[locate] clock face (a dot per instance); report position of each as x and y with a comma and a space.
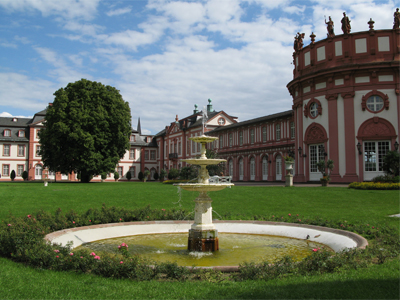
221, 121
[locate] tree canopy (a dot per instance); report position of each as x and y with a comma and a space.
87, 129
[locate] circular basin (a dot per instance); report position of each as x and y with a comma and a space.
200, 187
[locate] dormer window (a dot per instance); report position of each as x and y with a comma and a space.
132, 138
14, 119
21, 133
7, 132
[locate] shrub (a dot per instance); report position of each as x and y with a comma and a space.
146, 175
163, 174
374, 186
12, 175
116, 176
156, 176
391, 163
386, 178
140, 176
129, 175
103, 175
173, 173
24, 175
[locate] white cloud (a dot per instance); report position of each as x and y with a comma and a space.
119, 11
61, 71
8, 115
68, 9
21, 91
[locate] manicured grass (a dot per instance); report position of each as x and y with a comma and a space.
366, 207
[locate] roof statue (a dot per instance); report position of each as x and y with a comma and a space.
329, 27
396, 22
346, 24
298, 41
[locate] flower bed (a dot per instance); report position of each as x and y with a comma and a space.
374, 186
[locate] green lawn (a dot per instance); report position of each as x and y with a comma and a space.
357, 206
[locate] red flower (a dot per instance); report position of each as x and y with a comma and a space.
289, 215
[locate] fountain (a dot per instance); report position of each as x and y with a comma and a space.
203, 236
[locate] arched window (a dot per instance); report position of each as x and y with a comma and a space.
265, 168
252, 168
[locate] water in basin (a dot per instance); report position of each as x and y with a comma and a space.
234, 248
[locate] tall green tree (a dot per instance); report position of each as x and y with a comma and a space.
87, 129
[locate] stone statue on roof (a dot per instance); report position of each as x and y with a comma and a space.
346, 24
396, 22
329, 27
298, 41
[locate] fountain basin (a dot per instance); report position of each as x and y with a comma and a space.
336, 239
204, 161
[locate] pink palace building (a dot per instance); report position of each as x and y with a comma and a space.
346, 107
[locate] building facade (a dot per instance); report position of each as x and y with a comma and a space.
345, 92
346, 107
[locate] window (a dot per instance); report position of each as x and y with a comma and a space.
278, 132
132, 138
314, 110
292, 130
6, 150
221, 141
251, 136
374, 152
38, 147
21, 133
241, 138
153, 154
132, 153
21, 150
179, 148
265, 168
264, 134
6, 170
7, 132
221, 121
132, 171
316, 154
146, 155
230, 140
20, 170
37, 133
120, 170
252, 168
375, 103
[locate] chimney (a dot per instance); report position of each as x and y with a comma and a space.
209, 106
195, 111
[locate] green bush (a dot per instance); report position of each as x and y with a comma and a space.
173, 174
156, 176
391, 163
128, 175
103, 175
116, 176
140, 176
374, 186
24, 175
386, 179
12, 175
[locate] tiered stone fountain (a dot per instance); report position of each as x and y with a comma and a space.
203, 236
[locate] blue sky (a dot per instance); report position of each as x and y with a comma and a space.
165, 56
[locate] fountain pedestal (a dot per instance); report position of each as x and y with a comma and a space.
203, 236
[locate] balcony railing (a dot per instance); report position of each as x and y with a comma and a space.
173, 155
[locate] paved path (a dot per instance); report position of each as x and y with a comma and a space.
280, 183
